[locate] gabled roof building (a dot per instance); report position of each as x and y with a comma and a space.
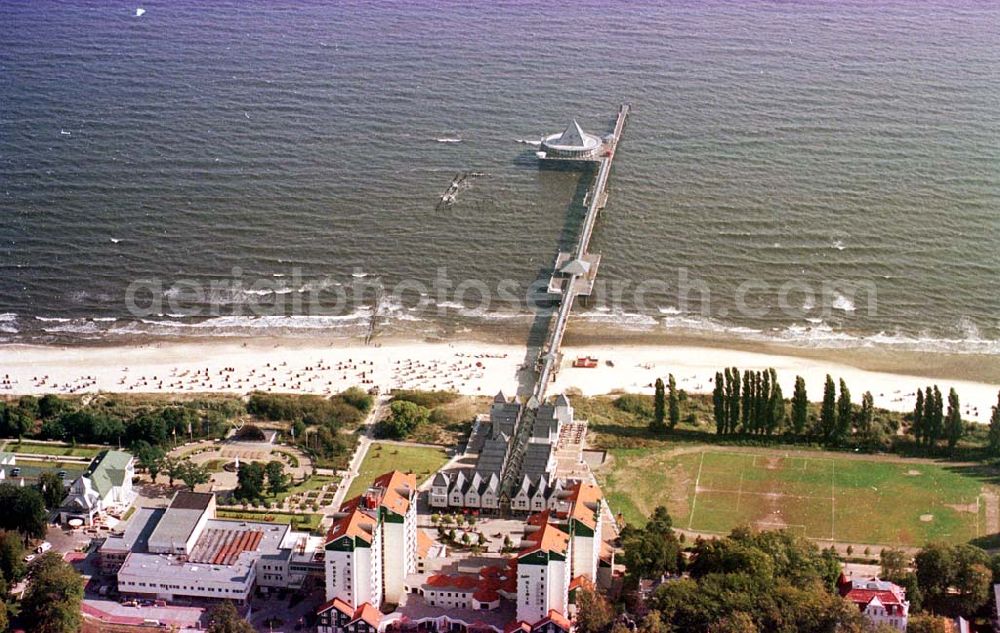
107, 485
881, 601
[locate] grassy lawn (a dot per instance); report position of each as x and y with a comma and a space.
876, 501
308, 522
61, 450
381, 458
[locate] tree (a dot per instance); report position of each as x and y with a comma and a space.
4, 616
844, 414
594, 613
935, 567
52, 489
23, 511
719, 404
50, 406
224, 618
736, 622
776, 414
994, 432
828, 410
953, 422
748, 410
249, 482
933, 415
277, 480
659, 407
404, 417
15, 422
733, 382
953, 579
653, 550
12, 566
918, 426
173, 467
193, 474
674, 407
800, 406
866, 418
895, 563
52, 600
149, 457
921, 623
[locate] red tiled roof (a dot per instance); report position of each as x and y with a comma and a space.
337, 604
580, 581
394, 485
351, 525
547, 538
864, 596
517, 625
486, 595
424, 543
556, 618
585, 501
368, 614
457, 581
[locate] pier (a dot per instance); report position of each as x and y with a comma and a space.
574, 275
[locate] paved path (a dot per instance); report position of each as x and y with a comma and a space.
364, 443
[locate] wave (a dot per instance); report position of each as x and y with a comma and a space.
448, 140
840, 302
52, 319
74, 327
668, 310
817, 333
7, 323
620, 317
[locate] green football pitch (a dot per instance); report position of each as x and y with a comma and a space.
876, 500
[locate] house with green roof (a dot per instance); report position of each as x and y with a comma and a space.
106, 486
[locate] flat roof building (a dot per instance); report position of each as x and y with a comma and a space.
184, 551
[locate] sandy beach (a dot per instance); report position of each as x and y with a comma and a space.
468, 367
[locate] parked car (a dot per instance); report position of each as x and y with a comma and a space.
44, 547
61, 474
29, 558
15, 471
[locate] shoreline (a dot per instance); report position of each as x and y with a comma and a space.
473, 366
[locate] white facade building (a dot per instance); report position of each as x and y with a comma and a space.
107, 485
881, 601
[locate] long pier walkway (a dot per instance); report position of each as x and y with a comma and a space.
577, 282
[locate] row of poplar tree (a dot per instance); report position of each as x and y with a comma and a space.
931, 422
752, 403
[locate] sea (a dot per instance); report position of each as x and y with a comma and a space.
813, 173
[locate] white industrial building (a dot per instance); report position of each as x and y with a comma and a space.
185, 552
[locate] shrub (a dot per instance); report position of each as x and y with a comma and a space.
426, 399
250, 433
635, 404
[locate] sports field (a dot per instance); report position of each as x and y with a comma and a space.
874, 501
